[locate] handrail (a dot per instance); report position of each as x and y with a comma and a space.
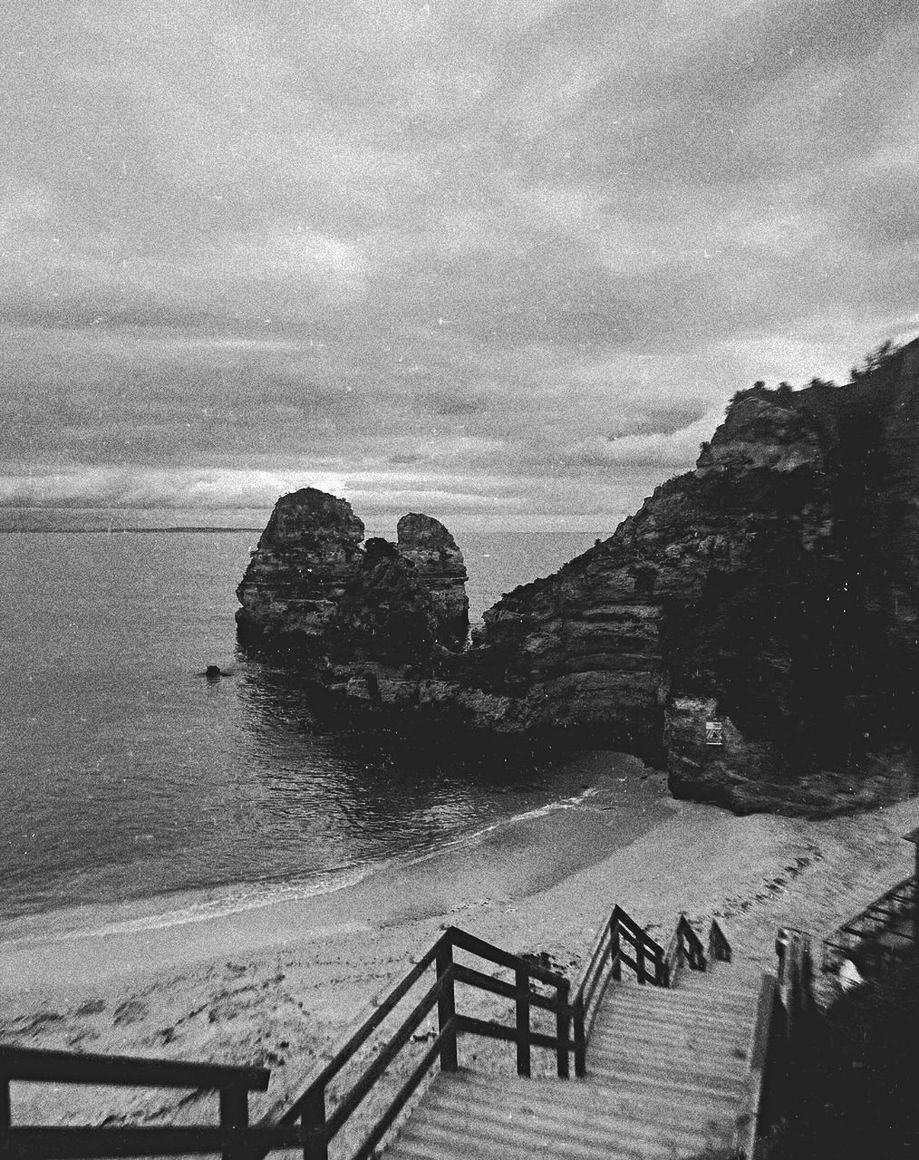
795, 978
34, 1065
748, 1122
878, 916
309, 1107
604, 963
37, 1065
719, 949
72, 1143
685, 946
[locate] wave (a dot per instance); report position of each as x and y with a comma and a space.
243, 896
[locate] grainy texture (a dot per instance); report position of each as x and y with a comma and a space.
773, 590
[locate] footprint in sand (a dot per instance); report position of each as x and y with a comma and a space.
91, 1007
130, 1011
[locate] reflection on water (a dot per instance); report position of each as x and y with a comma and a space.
126, 773
378, 793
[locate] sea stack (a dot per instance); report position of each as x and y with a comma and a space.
314, 589
307, 555
439, 564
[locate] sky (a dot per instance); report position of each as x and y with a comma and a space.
502, 261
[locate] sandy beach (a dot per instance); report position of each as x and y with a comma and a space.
280, 983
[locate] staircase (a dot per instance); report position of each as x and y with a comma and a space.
668, 1062
667, 1076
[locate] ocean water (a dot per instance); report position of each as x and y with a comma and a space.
126, 775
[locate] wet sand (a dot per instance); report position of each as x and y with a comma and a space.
279, 984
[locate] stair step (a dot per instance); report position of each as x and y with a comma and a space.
599, 1105
614, 1025
692, 1053
418, 1149
469, 1134
694, 993
585, 1121
702, 1001
713, 1070
611, 1072
692, 996
618, 1031
613, 1078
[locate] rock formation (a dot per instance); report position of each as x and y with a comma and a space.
439, 562
753, 628
312, 589
306, 557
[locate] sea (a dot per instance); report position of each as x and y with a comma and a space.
127, 775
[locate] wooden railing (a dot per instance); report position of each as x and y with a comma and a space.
778, 1055
684, 949
319, 1124
749, 1122
795, 980
719, 949
313, 1119
894, 910
233, 1138
620, 940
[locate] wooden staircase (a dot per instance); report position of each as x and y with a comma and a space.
667, 1076
668, 1050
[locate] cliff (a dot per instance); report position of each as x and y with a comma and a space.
753, 627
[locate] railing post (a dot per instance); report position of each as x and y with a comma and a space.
614, 951
446, 1007
312, 1120
562, 1027
580, 1039
522, 982
640, 959
6, 1117
234, 1113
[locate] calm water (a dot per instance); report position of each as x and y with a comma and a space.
126, 775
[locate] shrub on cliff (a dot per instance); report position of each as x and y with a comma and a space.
876, 360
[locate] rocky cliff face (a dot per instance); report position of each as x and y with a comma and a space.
439, 563
312, 589
306, 557
753, 627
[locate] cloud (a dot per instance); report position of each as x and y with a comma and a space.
255, 241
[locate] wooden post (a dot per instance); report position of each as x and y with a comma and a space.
522, 982
446, 1007
614, 952
640, 960
234, 1113
580, 1040
6, 1117
562, 1028
312, 1120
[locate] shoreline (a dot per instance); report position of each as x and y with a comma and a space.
576, 779
509, 857
282, 984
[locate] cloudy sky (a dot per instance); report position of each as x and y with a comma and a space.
486, 258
